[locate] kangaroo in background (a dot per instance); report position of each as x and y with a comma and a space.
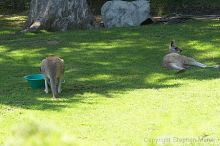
173, 60
53, 69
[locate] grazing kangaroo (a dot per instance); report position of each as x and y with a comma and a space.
53, 69
173, 60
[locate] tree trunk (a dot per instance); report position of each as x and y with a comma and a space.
59, 15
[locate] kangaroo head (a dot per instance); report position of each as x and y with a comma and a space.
174, 48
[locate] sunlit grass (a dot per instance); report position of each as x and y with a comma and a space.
116, 91
10, 24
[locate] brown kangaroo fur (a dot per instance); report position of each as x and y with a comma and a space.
173, 60
53, 69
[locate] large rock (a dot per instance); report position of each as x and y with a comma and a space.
119, 13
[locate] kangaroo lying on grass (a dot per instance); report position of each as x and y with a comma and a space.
53, 69
174, 60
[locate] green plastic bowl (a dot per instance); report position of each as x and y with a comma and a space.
36, 81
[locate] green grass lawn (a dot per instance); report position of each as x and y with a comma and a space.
116, 91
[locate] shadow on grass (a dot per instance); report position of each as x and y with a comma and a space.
100, 62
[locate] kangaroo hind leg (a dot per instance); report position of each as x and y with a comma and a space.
177, 67
198, 64
46, 85
59, 85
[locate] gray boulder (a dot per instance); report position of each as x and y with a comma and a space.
119, 13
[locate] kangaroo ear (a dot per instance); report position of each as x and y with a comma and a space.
172, 43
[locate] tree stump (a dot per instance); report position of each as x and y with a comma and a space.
59, 15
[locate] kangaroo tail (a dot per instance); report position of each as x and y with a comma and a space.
53, 85
214, 66
198, 64
195, 63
